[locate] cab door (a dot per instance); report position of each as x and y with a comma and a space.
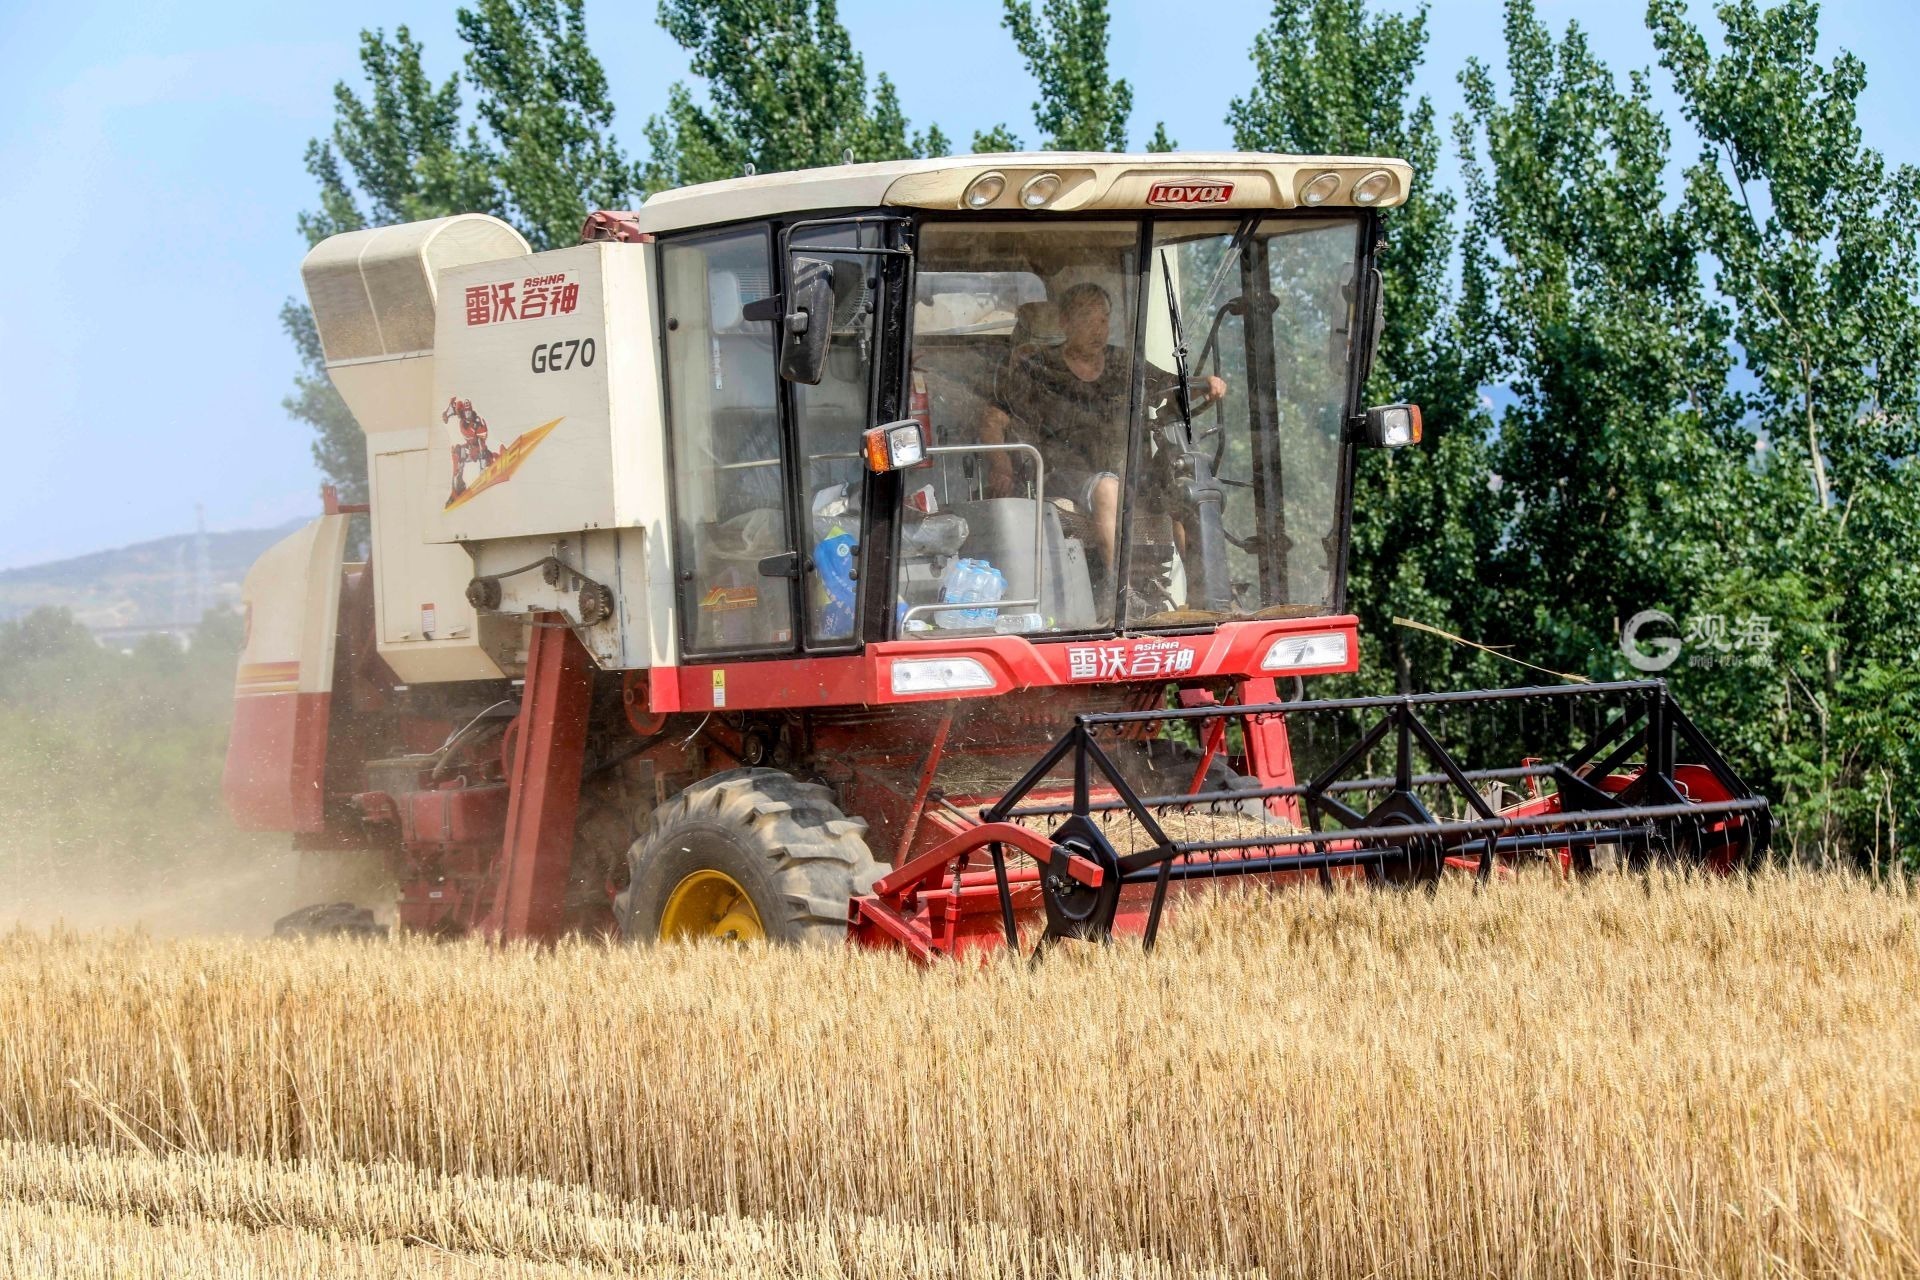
730, 479
836, 498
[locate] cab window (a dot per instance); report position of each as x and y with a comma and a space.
829, 418
1024, 349
730, 483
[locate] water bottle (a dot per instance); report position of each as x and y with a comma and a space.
955, 585
993, 587
970, 582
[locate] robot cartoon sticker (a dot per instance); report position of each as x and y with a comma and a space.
477, 466
471, 456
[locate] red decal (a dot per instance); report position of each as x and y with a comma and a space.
1120, 660
503, 301
1190, 193
539, 296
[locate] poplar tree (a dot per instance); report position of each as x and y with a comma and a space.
784, 89
539, 154
1330, 79
541, 95
1813, 242
1584, 302
1082, 106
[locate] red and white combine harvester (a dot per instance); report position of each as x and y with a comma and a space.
731, 570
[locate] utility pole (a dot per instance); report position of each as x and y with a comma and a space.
202, 565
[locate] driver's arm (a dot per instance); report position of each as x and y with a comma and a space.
1205, 391
993, 430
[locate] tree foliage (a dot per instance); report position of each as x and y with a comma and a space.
1082, 107
999, 138
541, 95
785, 89
398, 154
1813, 242
1584, 302
1330, 79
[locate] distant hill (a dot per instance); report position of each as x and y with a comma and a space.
147, 585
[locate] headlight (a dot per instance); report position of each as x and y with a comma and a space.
895, 446
1321, 189
1393, 426
985, 189
1373, 188
1039, 190
939, 675
1290, 653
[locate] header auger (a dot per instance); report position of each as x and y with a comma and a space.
729, 571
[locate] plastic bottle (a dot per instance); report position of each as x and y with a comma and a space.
953, 590
970, 582
995, 588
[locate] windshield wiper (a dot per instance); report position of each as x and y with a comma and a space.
1240, 234
1182, 393
1202, 489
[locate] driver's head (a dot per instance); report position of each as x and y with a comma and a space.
1085, 312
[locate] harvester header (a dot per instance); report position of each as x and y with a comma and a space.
729, 570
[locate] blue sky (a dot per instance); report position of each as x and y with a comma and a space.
152, 161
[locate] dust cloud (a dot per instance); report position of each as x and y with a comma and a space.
203, 881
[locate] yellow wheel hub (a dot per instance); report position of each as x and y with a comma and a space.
711, 904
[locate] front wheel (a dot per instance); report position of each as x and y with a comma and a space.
746, 855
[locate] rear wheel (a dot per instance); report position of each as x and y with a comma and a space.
745, 855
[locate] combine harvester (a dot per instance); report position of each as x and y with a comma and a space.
908, 551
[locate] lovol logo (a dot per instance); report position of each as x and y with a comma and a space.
1190, 193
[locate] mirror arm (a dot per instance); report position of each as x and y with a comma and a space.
771, 307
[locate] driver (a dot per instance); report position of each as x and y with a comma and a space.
1070, 402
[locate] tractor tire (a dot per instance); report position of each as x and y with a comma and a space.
744, 855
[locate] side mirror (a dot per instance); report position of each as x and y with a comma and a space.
808, 324
1388, 426
895, 446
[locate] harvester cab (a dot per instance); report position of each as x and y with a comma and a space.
731, 569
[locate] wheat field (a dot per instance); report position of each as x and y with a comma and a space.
1627, 1077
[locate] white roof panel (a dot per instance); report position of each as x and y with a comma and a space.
1089, 180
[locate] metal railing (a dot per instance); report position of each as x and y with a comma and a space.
1648, 813
1039, 531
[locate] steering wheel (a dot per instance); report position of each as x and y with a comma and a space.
1158, 401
